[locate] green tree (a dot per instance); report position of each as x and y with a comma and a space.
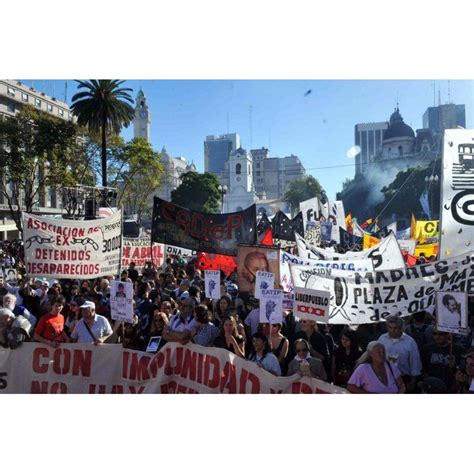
103, 108
37, 151
301, 190
198, 191
136, 171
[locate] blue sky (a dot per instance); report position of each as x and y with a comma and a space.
319, 128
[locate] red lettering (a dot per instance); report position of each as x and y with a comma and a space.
82, 363
39, 387
61, 365
229, 379
182, 220
38, 366
59, 387
189, 365
136, 390
167, 210
233, 222
198, 226
117, 388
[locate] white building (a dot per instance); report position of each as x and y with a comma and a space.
142, 120
241, 191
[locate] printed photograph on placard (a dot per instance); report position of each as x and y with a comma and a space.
212, 284
121, 300
451, 312
11, 277
250, 260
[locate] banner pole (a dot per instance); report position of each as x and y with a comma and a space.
121, 244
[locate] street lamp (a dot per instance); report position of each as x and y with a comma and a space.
223, 192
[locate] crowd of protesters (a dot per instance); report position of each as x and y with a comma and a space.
395, 356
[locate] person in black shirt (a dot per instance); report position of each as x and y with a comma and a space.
317, 341
345, 357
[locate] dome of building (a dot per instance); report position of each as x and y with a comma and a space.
397, 127
165, 157
240, 151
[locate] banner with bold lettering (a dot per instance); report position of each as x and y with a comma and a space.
310, 210
139, 251
108, 368
370, 297
426, 229
385, 255
457, 193
214, 233
61, 248
172, 250
311, 304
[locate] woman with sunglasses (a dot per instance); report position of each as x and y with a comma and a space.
158, 323
263, 356
304, 364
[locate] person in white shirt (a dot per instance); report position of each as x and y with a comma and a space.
92, 328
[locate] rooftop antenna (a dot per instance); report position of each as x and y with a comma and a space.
65, 92
434, 93
449, 92
439, 97
54, 88
227, 122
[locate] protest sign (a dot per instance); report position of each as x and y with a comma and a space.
451, 312
139, 251
271, 306
264, 281
108, 368
311, 304
426, 229
252, 259
385, 255
369, 297
212, 284
407, 245
310, 211
347, 240
370, 241
457, 193
60, 248
326, 231
285, 228
121, 300
426, 250
172, 250
214, 233
312, 233
11, 276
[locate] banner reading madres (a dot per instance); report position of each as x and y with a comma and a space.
214, 233
60, 248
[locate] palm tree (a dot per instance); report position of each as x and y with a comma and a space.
103, 108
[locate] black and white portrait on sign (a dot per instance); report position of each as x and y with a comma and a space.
451, 310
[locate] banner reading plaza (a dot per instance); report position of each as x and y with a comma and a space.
60, 248
108, 368
214, 233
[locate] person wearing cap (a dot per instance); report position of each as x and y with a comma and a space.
92, 328
50, 328
374, 374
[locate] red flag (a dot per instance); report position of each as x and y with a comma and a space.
410, 260
266, 237
211, 261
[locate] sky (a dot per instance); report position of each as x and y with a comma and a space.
276, 114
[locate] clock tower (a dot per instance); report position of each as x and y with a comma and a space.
142, 120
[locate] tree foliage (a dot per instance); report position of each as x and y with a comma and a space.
301, 190
198, 191
103, 107
37, 151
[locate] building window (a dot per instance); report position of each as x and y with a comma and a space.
11, 91
37, 102
400, 151
50, 108
11, 107
61, 112
24, 97
258, 173
258, 165
238, 168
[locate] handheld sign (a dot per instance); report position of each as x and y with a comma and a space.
271, 306
451, 312
121, 301
212, 284
264, 281
311, 304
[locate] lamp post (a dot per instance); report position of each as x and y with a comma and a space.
429, 180
223, 192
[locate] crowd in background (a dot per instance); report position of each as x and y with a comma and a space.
395, 356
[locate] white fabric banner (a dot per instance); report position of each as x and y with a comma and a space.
121, 300
271, 306
369, 297
264, 281
179, 251
60, 248
212, 284
108, 368
408, 245
139, 251
457, 193
310, 210
311, 304
385, 255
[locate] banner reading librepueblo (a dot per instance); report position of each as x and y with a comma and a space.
121, 301
108, 368
139, 251
370, 297
59, 248
311, 304
264, 281
214, 233
457, 193
212, 284
271, 306
385, 256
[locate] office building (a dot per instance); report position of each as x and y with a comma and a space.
369, 137
217, 150
437, 119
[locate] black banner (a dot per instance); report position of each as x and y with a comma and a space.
195, 230
382, 233
284, 228
348, 240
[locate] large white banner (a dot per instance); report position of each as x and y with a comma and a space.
60, 248
325, 266
457, 193
385, 255
310, 210
369, 297
108, 368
